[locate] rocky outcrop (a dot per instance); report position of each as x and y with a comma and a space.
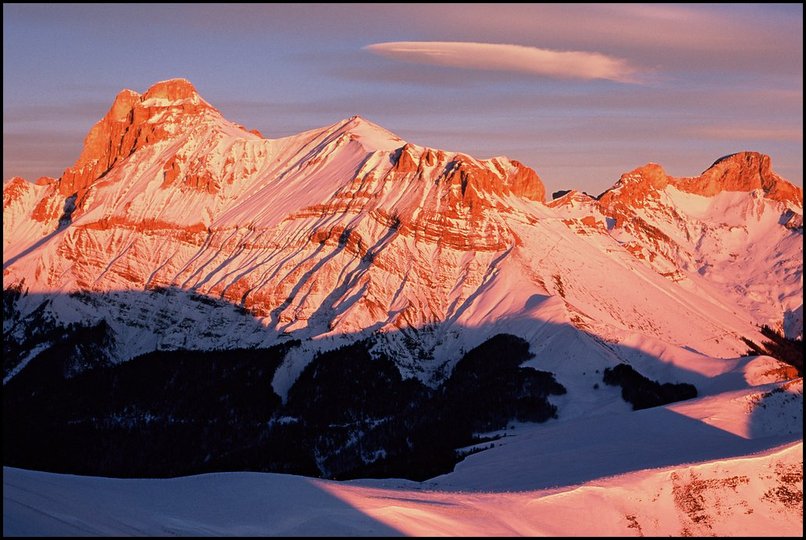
635, 187
472, 178
14, 190
404, 160
524, 182
744, 171
133, 121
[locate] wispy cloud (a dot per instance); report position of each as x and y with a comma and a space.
503, 57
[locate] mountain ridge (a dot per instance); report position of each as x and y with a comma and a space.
743, 171
191, 297
129, 126
309, 232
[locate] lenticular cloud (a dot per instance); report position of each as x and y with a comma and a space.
501, 57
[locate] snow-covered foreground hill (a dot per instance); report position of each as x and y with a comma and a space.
726, 464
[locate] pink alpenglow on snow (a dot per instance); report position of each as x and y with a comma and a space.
179, 230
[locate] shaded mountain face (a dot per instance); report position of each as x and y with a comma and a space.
179, 230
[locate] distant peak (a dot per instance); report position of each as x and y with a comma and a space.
651, 165
636, 186
126, 94
649, 170
743, 171
358, 120
45, 181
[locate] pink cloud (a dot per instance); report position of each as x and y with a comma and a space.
502, 57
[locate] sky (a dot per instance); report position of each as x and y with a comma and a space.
580, 93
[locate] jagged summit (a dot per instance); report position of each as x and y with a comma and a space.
652, 174
171, 90
171, 93
150, 156
172, 112
135, 121
740, 172
743, 171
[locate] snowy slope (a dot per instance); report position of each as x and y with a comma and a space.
610, 475
735, 232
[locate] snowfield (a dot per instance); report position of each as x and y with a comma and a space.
727, 465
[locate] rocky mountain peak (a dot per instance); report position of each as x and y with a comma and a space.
636, 186
743, 171
132, 122
651, 174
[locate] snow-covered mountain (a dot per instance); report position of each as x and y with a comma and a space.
738, 227
347, 256
348, 230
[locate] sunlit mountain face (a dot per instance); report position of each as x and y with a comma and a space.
191, 297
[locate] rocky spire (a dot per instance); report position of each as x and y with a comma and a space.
129, 126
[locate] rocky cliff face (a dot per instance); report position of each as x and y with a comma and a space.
744, 171
134, 122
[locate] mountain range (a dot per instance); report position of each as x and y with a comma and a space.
354, 294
